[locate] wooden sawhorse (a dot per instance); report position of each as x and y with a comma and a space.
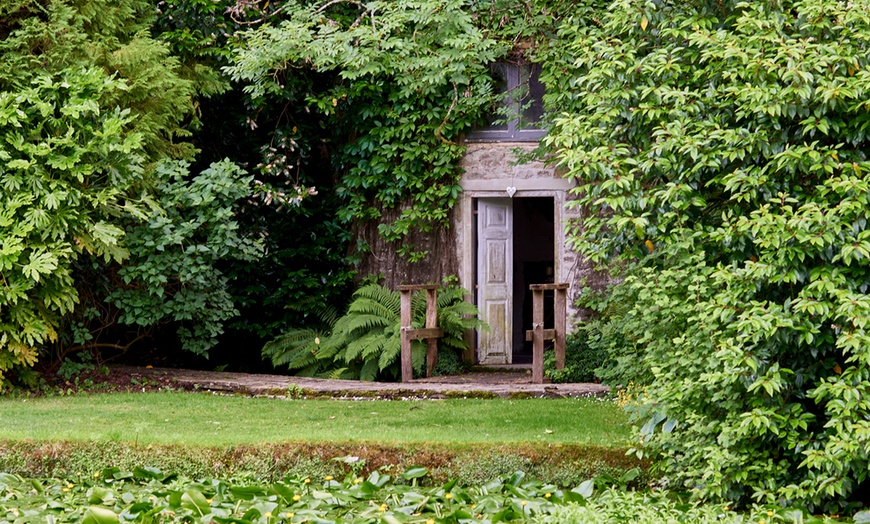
431, 333
538, 334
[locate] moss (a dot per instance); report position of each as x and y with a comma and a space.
519, 395
470, 394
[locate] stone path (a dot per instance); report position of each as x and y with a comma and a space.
480, 384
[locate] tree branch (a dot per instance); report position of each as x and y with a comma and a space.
447, 116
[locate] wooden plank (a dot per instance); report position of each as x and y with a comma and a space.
421, 333
559, 314
432, 322
549, 334
418, 287
538, 339
548, 287
405, 318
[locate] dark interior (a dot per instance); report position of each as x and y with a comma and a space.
533, 264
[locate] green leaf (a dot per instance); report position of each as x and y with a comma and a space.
147, 473
194, 500
585, 489
99, 495
97, 515
415, 472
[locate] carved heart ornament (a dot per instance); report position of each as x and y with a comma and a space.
511, 190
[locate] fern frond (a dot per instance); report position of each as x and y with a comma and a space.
335, 374
326, 314
351, 325
368, 306
371, 342
373, 351
310, 371
304, 358
389, 354
369, 371
331, 346
381, 295
451, 295
418, 356
286, 348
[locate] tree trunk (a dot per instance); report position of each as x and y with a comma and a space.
379, 257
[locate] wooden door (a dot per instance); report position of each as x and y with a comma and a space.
495, 279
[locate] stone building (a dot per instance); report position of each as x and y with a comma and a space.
507, 231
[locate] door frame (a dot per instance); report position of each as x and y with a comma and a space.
468, 231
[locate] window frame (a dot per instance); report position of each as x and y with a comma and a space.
513, 133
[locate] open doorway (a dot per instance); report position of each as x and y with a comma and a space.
515, 248
533, 264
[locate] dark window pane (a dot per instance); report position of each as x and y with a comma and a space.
498, 119
532, 102
520, 108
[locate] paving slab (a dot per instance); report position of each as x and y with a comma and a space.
502, 384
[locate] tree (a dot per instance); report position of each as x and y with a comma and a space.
724, 144
90, 105
68, 172
398, 83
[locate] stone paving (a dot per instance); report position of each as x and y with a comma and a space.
504, 384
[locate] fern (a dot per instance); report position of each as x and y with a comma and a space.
369, 344
369, 370
301, 349
354, 324
365, 343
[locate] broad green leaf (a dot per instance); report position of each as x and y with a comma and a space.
415, 472
97, 515
194, 500
585, 489
147, 473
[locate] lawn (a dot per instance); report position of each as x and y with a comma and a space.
213, 420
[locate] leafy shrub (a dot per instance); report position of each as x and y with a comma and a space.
582, 359
728, 142
365, 343
449, 363
173, 272
58, 207
615, 505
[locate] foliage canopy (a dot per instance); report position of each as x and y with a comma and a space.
90, 104
406, 79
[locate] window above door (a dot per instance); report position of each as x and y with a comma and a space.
517, 116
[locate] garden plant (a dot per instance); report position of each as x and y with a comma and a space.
718, 148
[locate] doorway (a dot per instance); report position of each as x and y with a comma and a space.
515, 240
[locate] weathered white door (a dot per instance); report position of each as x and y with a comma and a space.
495, 278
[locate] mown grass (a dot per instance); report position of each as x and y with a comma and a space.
212, 420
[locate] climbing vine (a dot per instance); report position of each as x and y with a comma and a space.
406, 79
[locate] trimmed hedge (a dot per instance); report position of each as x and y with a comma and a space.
472, 463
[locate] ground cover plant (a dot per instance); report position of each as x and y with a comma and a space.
144, 494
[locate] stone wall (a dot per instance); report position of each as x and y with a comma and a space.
490, 171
